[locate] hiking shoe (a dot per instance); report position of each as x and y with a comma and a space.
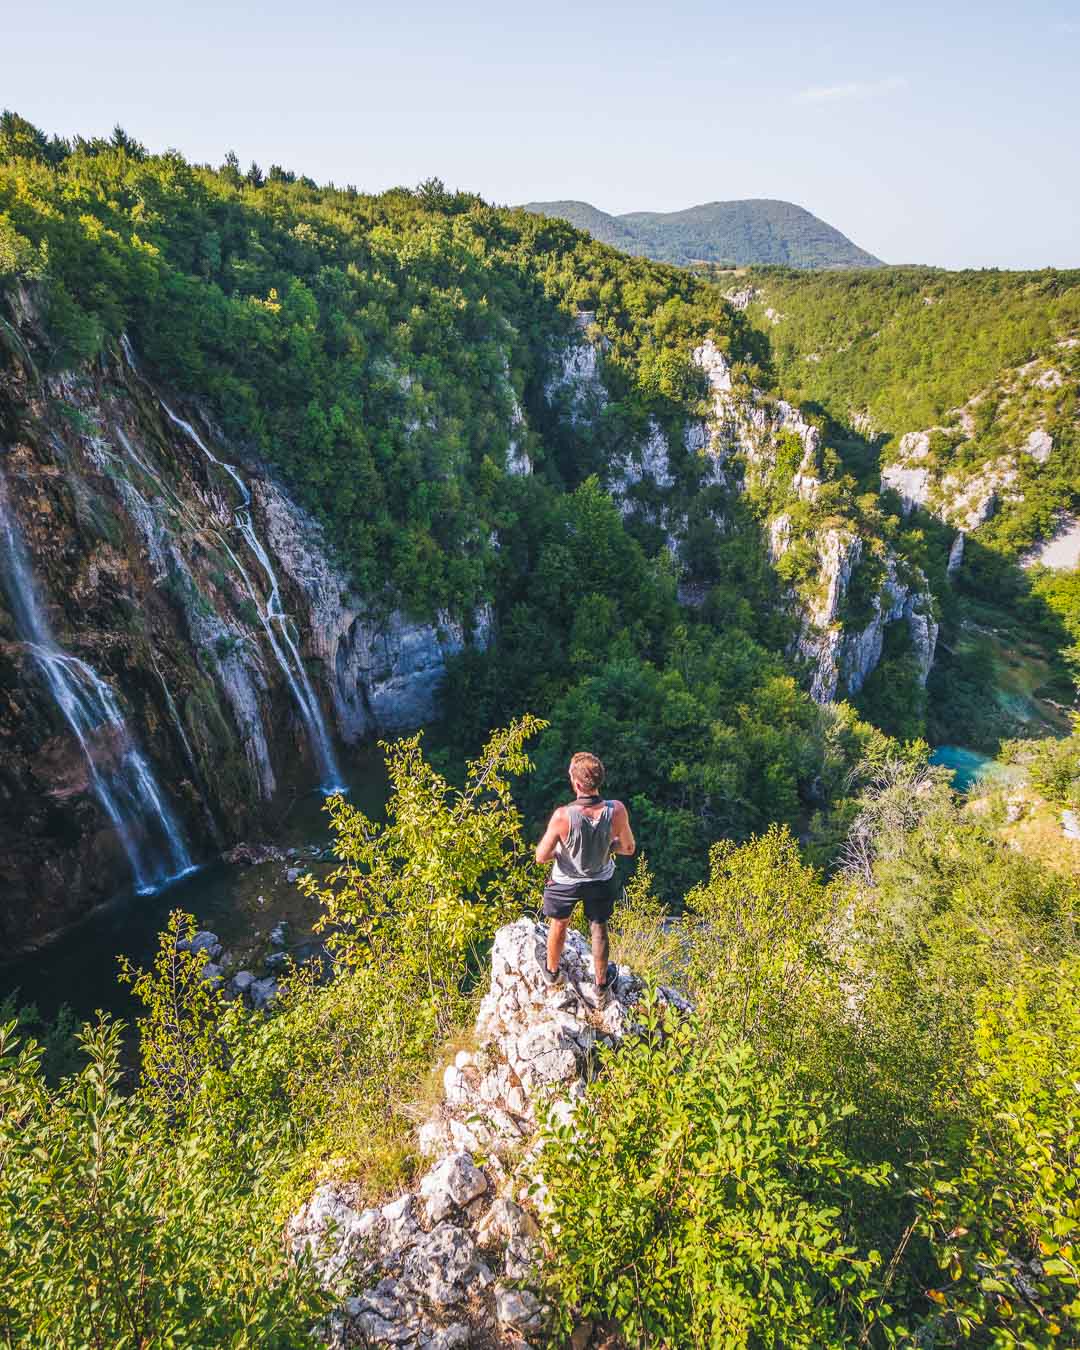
604, 991
552, 978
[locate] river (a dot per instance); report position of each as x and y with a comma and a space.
967, 765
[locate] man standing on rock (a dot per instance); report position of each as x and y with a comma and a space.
581, 840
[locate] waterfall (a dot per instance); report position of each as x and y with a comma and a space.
194, 436
122, 780
275, 622
292, 666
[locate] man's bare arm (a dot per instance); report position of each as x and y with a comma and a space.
554, 835
622, 836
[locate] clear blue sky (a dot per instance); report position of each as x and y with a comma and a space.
944, 133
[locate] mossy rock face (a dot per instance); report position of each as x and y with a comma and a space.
122, 592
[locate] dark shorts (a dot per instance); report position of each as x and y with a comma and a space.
598, 897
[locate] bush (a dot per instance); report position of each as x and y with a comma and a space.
697, 1200
1005, 1224
113, 1234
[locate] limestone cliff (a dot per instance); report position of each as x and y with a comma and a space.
985, 456
748, 442
178, 572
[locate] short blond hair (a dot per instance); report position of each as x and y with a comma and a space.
587, 771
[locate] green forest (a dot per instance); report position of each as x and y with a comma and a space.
899, 349
323, 327
866, 1131
760, 231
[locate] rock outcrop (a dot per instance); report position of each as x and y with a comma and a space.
575, 386
743, 437
979, 458
450, 1262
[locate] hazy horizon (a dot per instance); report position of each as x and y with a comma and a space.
945, 138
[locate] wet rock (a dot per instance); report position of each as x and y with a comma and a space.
212, 975
253, 854
262, 993
203, 941
278, 934
241, 982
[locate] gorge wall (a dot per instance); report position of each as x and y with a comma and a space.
213, 653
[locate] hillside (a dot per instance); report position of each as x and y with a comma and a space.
961, 387
954, 399
737, 233
288, 467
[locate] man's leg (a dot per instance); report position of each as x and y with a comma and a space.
599, 950
556, 942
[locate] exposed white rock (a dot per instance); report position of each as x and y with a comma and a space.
843, 658
970, 501
1039, 445
746, 422
779, 537
451, 1184
518, 462
576, 385
454, 1260
838, 551
1062, 550
647, 463
742, 299
1049, 379
911, 485
916, 444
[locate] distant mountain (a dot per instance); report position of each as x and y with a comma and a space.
756, 231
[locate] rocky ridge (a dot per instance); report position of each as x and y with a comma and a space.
451, 1261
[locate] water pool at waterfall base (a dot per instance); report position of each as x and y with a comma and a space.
241, 903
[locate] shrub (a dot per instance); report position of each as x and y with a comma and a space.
112, 1234
1005, 1219
697, 1200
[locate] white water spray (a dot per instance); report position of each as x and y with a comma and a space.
194, 436
119, 774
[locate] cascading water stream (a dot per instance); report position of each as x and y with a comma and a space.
120, 776
194, 436
294, 669
287, 656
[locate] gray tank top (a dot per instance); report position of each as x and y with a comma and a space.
586, 854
